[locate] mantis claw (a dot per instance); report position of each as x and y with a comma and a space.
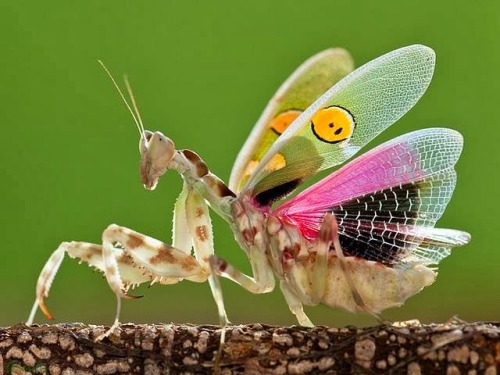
130, 296
45, 310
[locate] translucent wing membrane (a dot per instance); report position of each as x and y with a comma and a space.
298, 92
387, 200
343, 120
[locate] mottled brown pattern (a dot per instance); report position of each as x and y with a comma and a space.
451, 348
238, 209
289, 254
221, 265
93, 250
249, 234
191, 156
199, 212
201, 232
163, 255
134, 241
201, 167
125, 259
188, 264
219, 188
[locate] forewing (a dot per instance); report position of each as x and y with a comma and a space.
387, 200
344, 119
299, 91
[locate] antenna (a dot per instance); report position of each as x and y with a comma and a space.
135, 115
132, 98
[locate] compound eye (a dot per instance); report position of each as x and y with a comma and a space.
333, 124
283, 120
143, 142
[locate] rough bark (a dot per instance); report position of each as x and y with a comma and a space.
411, 348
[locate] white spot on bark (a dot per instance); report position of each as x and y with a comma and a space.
28, 359
54, 370
84, 360
50, 338
66, 343
147, 344
402, 353
364, 351
202, 343
99, 353
6, 343
474, 357
323, 344
391, 359
301, 367
459, 354
282, 339
14, 352
106, 368
325, 363
293, 352
453, 370
24, 337
188, 361
414, 369
123, 366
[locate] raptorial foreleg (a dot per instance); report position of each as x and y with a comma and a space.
86, 252
126, 258
200, 228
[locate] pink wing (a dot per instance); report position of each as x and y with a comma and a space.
388, 200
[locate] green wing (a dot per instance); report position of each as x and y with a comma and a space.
299, 91
342, 120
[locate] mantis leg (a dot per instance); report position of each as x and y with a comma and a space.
126, 258
306, 281
331, 221
263, 277
92, 255
295, 305
200, 228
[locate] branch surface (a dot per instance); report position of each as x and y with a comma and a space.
406, 348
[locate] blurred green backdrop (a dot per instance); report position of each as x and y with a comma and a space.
202, 72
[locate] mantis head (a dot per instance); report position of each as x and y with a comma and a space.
157, 151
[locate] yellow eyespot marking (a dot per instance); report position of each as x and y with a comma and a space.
277, 162
282, 121
251, 166
333, 124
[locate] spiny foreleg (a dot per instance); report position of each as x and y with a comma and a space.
200, 229
83, 251
126, 258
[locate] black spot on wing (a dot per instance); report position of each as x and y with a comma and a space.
368, 225
267, 197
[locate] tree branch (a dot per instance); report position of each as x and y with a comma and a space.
411, 348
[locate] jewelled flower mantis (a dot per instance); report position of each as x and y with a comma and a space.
361, 239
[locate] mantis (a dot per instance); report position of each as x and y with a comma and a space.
361, 239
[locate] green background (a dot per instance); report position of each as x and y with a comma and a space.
202, 72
